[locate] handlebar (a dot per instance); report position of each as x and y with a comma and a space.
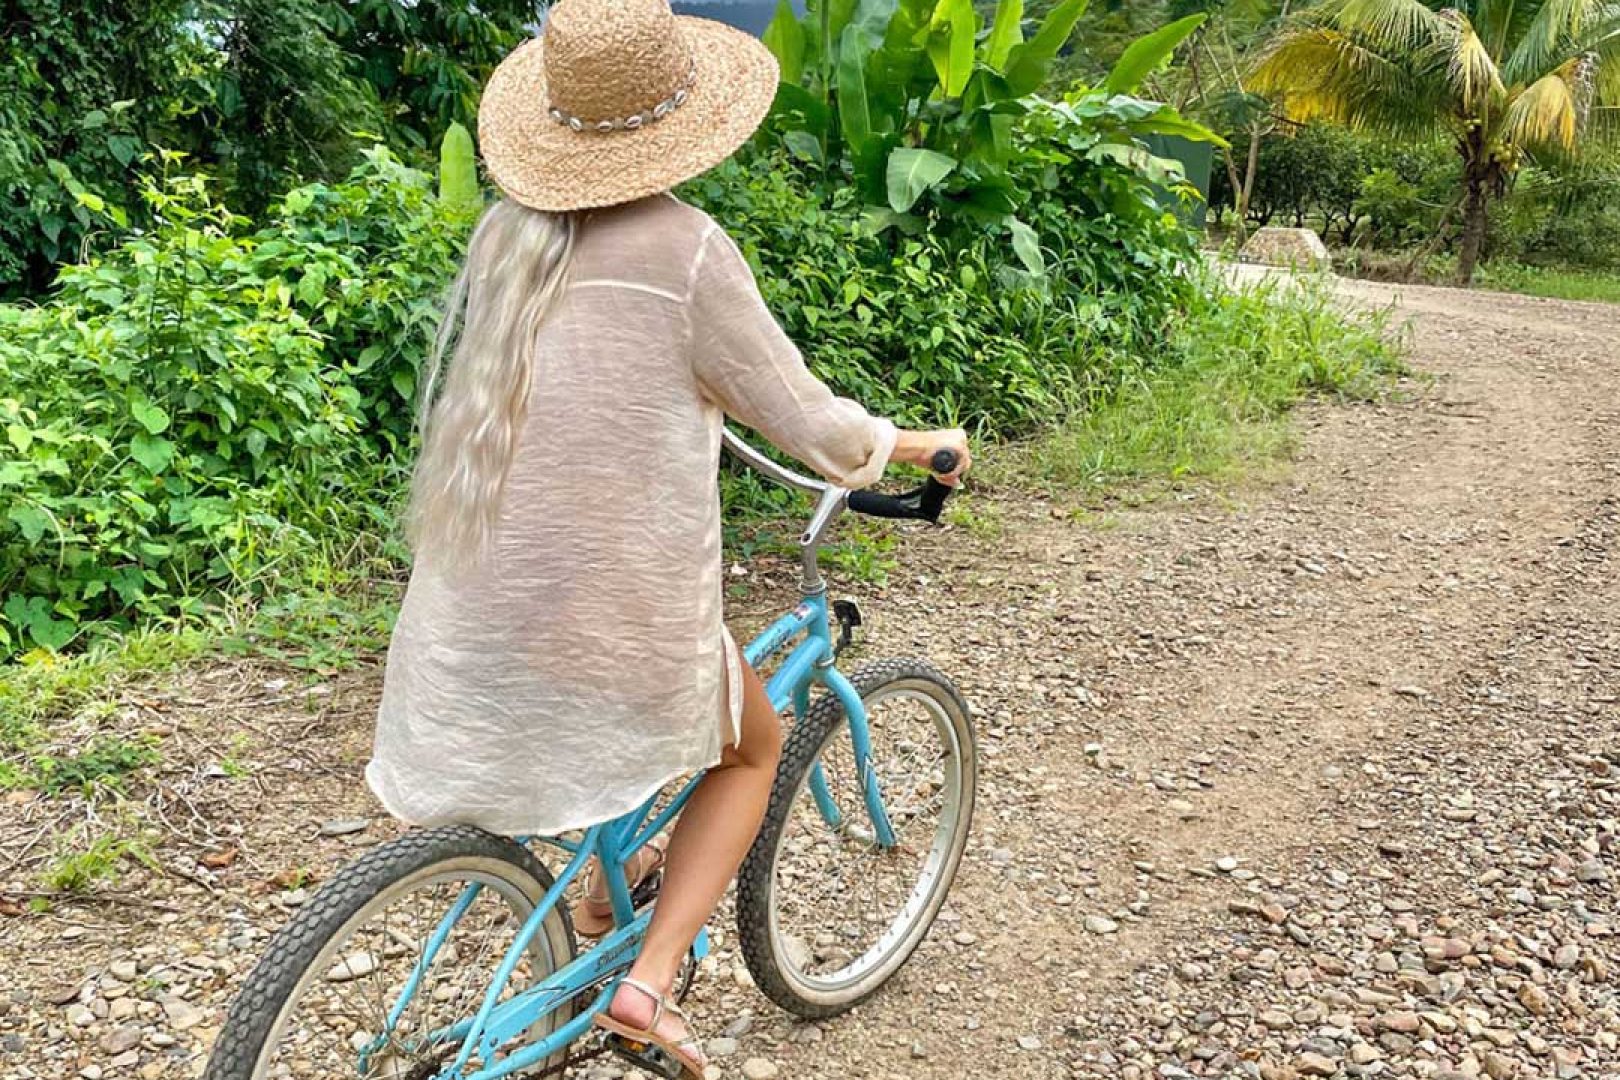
920, 504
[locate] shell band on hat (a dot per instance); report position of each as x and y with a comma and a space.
634, 120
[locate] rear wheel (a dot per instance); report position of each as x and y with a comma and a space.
826, 914
317, 1003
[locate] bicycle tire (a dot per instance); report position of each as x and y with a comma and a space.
765, 956
239, 1053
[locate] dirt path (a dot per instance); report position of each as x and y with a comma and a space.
1337, 763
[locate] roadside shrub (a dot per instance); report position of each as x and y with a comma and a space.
938, 325
1562, 216
190, 408
908, 326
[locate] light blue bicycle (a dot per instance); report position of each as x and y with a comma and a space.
449, 953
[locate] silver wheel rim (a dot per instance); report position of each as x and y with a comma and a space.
502, 883
903, 924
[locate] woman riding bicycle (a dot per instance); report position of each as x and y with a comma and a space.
560, 654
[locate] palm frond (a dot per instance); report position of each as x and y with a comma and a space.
1549, 38
1469, 64
1391, 26
1544, 116
1320, 73
1604, 122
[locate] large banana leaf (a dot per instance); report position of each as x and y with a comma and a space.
912, 172
867, 143
873, 18
1169, 122
1027, 64
1143, 56
785, 38
1006, 32
951, 35
854, 117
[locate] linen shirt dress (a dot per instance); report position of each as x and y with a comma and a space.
584, 664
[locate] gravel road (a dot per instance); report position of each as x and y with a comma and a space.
1320, 778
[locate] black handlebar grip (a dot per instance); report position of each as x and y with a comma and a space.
877, 504
920, 504
935, 493
944, 461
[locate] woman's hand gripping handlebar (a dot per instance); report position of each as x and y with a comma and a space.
922, 504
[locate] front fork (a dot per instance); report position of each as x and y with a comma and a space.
861, 741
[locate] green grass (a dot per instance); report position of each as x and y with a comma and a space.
1211, 402
1561, 284
44, 687
101, 860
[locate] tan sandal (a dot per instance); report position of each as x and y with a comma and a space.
593, 914
649, 1050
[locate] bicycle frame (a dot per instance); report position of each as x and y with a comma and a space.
805, 635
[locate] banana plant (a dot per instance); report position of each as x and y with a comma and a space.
919, 102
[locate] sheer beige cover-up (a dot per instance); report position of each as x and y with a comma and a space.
585, 664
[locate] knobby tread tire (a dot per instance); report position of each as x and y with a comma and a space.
801, 751
294, 947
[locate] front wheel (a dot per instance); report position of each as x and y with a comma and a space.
826, 912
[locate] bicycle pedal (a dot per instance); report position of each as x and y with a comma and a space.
646, 890
643, 1055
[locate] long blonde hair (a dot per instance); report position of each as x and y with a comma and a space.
516, 264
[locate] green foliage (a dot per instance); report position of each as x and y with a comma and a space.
77, 102
102, 861
102, 763
1559, 282
926, 115
1148, 54
933, 327
1562, 215
426, 63
915, 329
260, 94
204, 400
1210, 401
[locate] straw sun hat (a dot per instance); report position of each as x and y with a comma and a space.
619, 99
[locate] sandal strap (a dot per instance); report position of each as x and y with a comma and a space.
658, 846
661, 1005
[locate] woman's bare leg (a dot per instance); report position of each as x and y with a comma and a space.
713, 834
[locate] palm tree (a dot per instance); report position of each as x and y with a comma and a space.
1505, 79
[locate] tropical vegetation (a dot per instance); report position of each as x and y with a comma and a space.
212, 399
1505, 81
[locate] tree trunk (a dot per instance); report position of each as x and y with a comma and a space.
1253, 164
1473, 231
1239, 203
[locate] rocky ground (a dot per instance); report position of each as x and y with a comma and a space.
1319, 779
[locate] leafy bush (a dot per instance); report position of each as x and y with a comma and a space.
923, 113
260, 93
1565, 215
186, 410
928, 326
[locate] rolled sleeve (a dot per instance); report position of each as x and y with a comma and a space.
748, 366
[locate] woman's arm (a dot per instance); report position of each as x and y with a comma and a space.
748, 366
